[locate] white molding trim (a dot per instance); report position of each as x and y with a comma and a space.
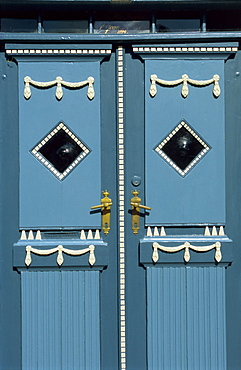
120, 103
58, 51
179, 49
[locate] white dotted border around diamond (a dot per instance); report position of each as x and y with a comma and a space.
43, 160
158, 149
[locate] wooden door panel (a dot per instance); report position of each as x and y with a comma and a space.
199, 195
45, 200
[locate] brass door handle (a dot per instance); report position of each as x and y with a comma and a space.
105, 205
136, 205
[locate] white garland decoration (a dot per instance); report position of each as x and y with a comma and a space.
185, 80
60, 249
59, 82
186, 246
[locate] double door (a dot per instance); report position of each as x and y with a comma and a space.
125, 285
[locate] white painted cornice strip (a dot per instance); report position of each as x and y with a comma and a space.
179, 49
58, 51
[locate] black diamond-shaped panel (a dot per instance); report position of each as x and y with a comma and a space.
182, 148
61, 150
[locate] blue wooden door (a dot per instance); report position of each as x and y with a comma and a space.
186, 248
66, 136
150, 292
175, 157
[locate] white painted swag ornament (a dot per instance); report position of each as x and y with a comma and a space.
59, 82
185, 80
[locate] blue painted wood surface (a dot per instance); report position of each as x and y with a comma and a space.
175, 258
10, 225
166, 317
70, 262
10, 323
109, 277
40, 191
186, 318
60, 320
136, 341
200, 196
206, 318
233, 176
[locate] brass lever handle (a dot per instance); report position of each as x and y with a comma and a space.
136, 205
105, 205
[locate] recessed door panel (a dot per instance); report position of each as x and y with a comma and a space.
55, 193
188, 187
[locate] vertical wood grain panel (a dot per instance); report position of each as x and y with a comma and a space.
166, 307
186, 318
60, 320
41, 327
206, 328
92, 320
73, 320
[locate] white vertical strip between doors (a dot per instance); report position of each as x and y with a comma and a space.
121, 208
